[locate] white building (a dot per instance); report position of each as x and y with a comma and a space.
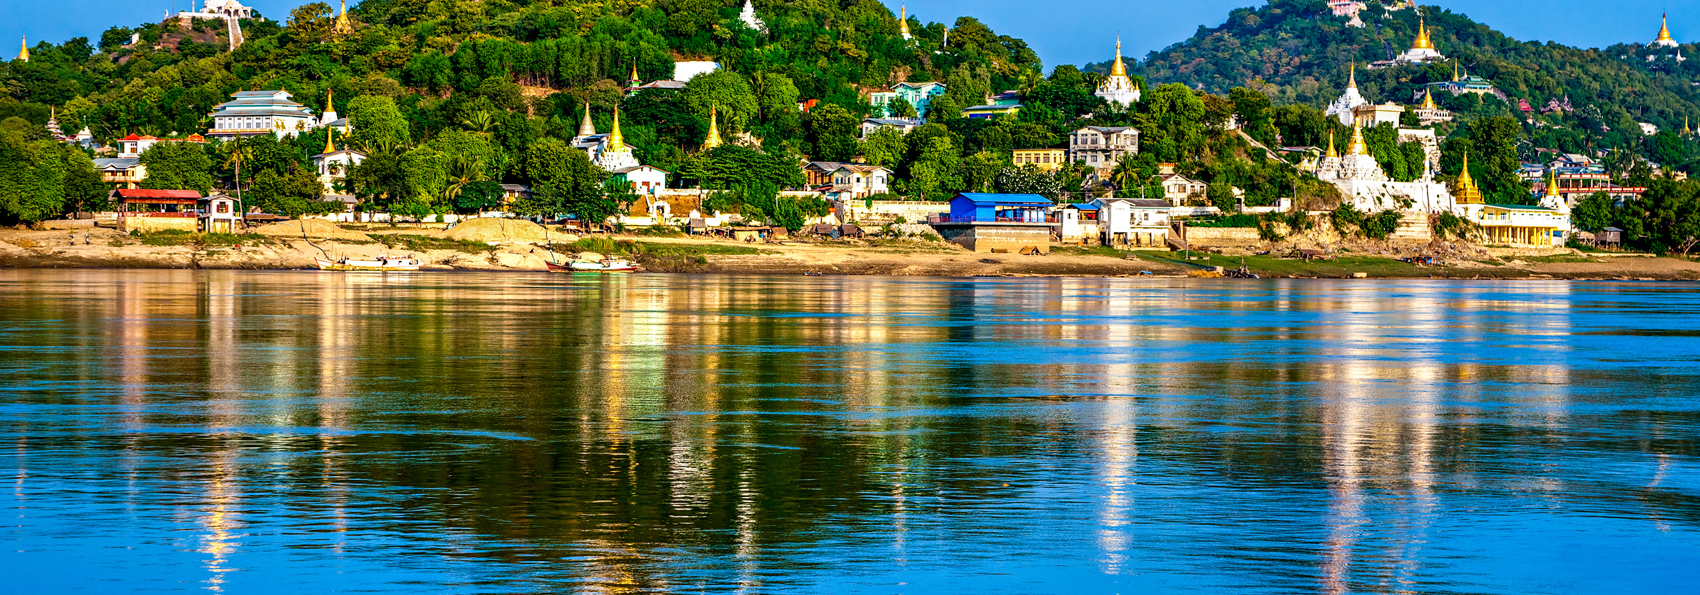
334, 164
1342, 108
1361, 179
853, 180
1133, 222
252, 113
1118, 88
1101, 146
685, 71
902, 125
1177, 188
608, 151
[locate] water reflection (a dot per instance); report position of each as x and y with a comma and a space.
751, 434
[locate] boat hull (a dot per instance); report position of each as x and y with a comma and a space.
366, 265
591, 267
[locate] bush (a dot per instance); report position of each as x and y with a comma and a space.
1346, 219
597, 244
1234, 220
1450, 225
1381, 225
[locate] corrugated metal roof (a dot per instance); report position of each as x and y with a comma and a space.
1020, 200
151, 193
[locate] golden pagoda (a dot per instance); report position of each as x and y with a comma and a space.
1552, 184
329, 134
24, 49
616, 142
903, 22
633, 80
342, 26
1118, 69
1358, 146
1468, 193
713, 139
1352, 78
1664, 33
1332, 153
1423, 42
1454, 71
1686, 131
1428, 99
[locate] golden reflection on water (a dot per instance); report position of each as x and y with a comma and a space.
332, 354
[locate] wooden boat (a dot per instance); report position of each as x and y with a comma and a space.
381, 263
600, 266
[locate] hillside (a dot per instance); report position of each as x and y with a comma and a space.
1298, 52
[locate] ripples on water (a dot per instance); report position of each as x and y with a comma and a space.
263, 431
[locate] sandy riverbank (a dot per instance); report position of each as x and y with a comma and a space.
105, 248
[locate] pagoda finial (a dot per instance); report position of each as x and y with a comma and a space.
1428, 99
330, 133
1352, 79
634, 78
1332, 153
1118, 69
586, 128
713, 139
1467, 190
903, 22
1664, 30
616, 142
1552, 183
342, 25
24, 49
1455, 71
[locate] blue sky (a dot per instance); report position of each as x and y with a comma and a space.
1062, 31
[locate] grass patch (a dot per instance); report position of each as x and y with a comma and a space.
416, 243
611, 246
1090, 251
1559, 258
177, 237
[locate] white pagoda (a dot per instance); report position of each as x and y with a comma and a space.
1118, 88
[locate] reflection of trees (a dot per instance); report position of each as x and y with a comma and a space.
612, 422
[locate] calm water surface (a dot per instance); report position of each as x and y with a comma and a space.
247, 432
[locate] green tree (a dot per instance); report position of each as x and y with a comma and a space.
178, 166
32, 176
727, 94
291, 194
1495, 156
832, 133
934, 174
901, 108
376, 120
886, 147
1593, 213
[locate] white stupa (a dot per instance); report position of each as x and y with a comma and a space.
1118, 88
1342, 108
748, 16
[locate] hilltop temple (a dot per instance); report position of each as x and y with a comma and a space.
1342, 108
608, 151
1118, 88
1361, 179
1664, 40
1422, 50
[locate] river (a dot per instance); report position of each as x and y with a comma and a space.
242, 432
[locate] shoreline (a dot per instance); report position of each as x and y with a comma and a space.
107, 249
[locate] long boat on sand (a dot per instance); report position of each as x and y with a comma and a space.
381, 263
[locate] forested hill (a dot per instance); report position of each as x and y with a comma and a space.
1298, 52
421, 51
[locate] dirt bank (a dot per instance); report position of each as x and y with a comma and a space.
106, 248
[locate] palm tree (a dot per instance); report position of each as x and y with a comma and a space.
463, 170
234, 153
1126, 174
480, 121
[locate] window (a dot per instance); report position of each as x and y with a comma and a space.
224, 207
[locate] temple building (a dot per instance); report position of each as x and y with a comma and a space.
1118, 88
1361, 179
334, 164
1664, 40
1523, 226
1428, 113
607, 151
331, 119
903, 23
1422, 50
252, 113
24, 49
1468, 83
342, 26
1342, 108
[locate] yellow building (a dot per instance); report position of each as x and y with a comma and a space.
1044, 159
1518, 225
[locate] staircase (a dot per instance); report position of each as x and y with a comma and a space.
1413, 227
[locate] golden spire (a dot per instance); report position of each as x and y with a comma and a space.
634, 78
1423, 42
1685, 129
24, 49
342, 25
616, 142
1352, 79
1332, 154
329, 134
1118, 69
329, 106
1468, 193
903, 22
1428, 99
1552, 183
1664, 30
586, 128
1454, 71
1358, 146
713, 139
